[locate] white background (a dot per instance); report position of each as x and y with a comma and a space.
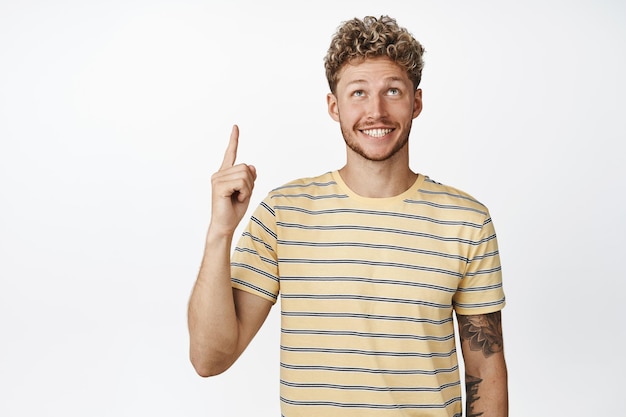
113, 116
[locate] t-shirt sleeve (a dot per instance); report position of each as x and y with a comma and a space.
254, 263
480, 290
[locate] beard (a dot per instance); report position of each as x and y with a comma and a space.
352, 143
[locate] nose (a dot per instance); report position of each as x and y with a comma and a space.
376, 107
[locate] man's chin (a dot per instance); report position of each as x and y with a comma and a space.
374, 156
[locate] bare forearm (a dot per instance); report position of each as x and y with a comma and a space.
212, 316
487, 395
485, 366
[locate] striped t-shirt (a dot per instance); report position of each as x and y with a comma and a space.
368, 287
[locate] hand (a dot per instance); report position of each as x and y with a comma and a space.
231, 189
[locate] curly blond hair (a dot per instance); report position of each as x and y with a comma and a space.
371, 37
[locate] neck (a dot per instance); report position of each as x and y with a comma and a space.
377, 179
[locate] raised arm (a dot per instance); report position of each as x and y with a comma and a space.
222, 321
485, 367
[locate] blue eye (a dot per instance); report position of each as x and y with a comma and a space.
358, 93
394, 91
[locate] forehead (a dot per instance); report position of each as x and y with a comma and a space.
371, 71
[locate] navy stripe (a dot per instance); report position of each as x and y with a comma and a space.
268, 208
369, 388
264, 227
310, 196
338, 315
368, 352
481, 289
309, 184
253, 269
377, 230
445, 206
378, 213
254, 287
369, 281
370, 370
479, 305
484, 271
372, 263
486, 255
363, 298
255, 253
258, 240
460, 196
487, 239
376, 406
367, 334
372, 246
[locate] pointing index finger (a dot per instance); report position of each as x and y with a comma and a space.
231, 150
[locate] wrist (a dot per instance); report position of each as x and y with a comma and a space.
217, 233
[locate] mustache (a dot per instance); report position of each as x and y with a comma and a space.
370, 123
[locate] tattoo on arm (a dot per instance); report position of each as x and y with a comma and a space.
471, 389
482, 331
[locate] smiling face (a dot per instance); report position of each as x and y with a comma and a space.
375, 104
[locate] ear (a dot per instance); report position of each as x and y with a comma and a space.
417, 104
333, 109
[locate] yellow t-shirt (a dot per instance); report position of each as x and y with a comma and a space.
368, 288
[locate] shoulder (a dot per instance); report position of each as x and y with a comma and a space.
448, 196
321, 184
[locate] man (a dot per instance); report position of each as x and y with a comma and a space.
370, 260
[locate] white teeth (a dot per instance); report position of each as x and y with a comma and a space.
377, 133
